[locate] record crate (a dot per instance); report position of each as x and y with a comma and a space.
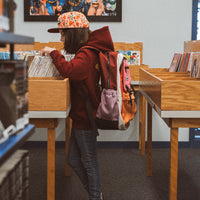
175, 91
48, 94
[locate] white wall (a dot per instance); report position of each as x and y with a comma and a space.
162, 26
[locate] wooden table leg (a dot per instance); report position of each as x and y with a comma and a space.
51, 164
67, 138
173, 164
140, 120
51, 125
149, 140
143, 125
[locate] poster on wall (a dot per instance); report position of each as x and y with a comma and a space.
95, 10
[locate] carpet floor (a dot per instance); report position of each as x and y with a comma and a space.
124, 175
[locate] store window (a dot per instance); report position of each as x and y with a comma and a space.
196, 20
194, 133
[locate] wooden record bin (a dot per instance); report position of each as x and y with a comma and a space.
48, 94
137, 46
173, 91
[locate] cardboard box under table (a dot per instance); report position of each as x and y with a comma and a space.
175, 96
49, 101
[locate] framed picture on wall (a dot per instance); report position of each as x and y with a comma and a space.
95, 10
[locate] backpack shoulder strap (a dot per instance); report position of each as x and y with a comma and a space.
89, 47
86, 97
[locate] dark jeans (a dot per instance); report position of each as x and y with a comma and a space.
82, 157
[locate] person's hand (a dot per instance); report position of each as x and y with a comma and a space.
46, 51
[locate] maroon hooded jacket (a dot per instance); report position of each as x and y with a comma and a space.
82, 71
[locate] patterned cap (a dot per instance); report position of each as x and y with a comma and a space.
71, 20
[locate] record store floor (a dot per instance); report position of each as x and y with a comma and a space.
124, 175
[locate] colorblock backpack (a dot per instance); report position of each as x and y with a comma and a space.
117, 106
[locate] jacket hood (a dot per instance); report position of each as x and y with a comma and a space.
101, 39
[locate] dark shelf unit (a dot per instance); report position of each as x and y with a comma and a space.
15, 141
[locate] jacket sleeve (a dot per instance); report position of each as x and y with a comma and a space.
76, 69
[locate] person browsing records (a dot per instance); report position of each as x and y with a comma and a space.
81, 71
